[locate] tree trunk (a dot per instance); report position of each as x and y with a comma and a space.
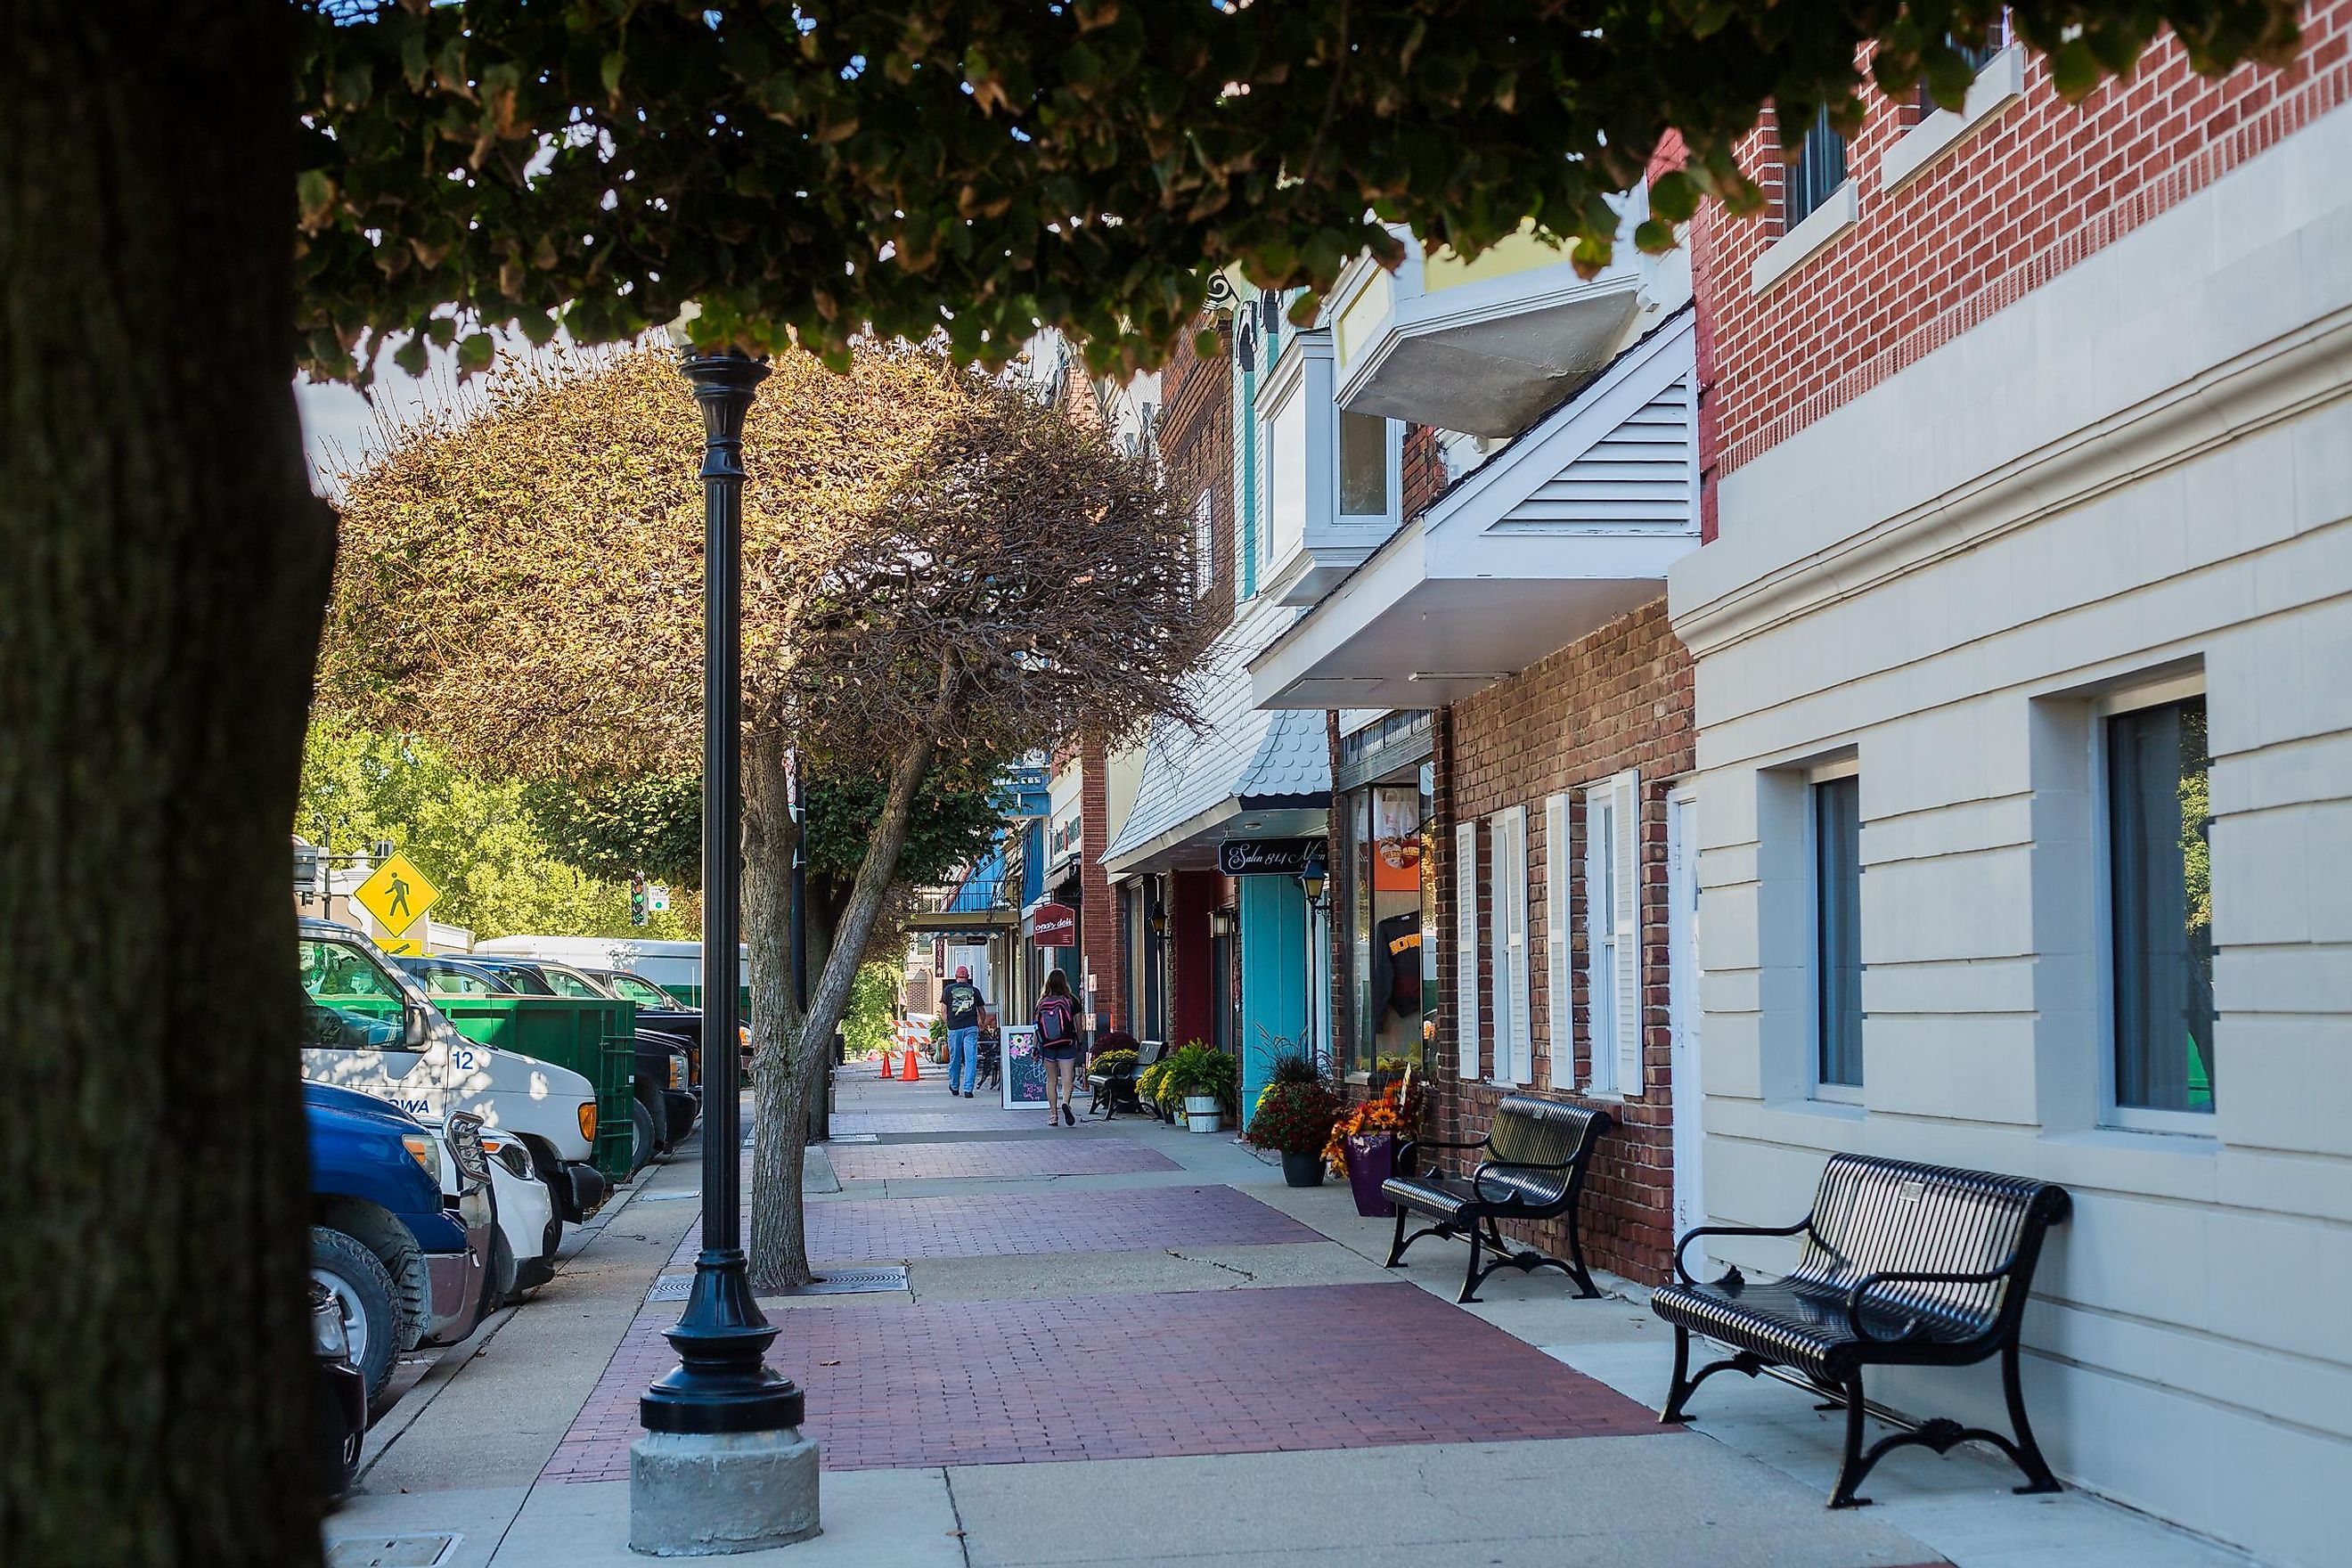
787, 1074
162, 572
779, 1102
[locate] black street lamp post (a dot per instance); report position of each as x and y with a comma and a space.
723, 1384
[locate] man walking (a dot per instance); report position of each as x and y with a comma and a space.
963, 1003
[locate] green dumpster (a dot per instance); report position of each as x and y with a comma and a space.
596, 1040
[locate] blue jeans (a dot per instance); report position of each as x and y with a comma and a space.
963, 1059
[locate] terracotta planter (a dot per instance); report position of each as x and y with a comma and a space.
1302, 1169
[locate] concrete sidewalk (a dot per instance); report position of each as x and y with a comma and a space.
1064, 1381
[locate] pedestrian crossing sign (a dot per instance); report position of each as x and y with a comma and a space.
397, 894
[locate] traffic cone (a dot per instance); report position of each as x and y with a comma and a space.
886, 1062
912, 1074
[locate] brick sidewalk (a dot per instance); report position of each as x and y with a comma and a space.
992, 1224
995, 1120
1003, 1158
1128, 1377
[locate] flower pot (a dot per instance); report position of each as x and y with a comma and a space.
1303, 1170
1371, 1156
1202, 1114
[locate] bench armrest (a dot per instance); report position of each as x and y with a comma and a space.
1684, 1275
1407, 1148
1854, 1298
1478, 1177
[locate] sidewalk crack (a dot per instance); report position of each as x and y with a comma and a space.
955, 1511
1213, 1263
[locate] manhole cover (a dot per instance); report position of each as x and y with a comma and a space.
671, 1288
854, 1282
391, 1550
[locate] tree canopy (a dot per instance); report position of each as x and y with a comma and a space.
977, 168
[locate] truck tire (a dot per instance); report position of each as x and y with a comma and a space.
642, 1145
363, 1289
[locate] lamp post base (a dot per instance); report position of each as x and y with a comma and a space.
711, 1494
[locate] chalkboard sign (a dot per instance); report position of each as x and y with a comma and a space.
1025, 1071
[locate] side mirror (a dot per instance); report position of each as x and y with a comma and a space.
415, 1028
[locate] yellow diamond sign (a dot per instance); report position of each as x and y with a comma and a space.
397, 895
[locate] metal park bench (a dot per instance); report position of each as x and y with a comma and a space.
1537, 1153
1115, 1091
1903, 1265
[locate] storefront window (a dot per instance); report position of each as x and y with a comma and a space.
1389, 1024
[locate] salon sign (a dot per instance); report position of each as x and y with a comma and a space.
1266, 856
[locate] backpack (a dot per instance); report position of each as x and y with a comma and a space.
1053, 1018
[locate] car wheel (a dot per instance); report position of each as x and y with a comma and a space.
502, 1270
641, 1124
362, 1288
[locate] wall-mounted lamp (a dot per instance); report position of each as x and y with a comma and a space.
1221, 922
1311, 876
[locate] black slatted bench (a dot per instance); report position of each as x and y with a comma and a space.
1901, 1265
1537, 1152
1115, 1091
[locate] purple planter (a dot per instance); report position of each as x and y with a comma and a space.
1370, 1158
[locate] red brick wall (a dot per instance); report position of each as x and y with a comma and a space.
1423, 464
2028, 193
1619, 698
1196, 451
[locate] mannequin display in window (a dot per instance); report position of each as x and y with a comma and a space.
1396, 964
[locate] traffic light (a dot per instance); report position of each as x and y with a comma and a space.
636, 900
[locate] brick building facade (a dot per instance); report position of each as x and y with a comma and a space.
1617, 699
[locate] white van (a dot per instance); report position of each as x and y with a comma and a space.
674, 966
371, 1028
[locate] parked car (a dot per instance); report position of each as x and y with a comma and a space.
406, 1267
373, 1028
663, 1091
342, 1394
530, 1230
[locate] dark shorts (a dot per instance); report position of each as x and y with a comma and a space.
1066, 1052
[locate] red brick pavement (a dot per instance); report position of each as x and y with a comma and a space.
1003, 1157
1227, 1371
996, 1225
992, 1121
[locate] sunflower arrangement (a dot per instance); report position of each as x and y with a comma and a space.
1395, 1110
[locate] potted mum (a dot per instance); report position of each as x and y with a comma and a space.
1363, 1142
1295, 1116
1206, 1080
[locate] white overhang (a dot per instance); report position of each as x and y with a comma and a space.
1568, 528
1483, 347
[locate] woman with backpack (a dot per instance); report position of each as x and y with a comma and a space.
1057, 1045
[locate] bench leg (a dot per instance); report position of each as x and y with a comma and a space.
1471, 1275
1576, 1260
1679, 1389
1854, 1465
2027, 1453
1397, 1246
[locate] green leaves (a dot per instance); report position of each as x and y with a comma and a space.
1075, 162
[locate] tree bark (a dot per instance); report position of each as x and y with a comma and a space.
790, 1070
162, 572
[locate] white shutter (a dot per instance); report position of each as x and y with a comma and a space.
1560, 987
1466, 946
1511, 885
1600, 940
1625, 805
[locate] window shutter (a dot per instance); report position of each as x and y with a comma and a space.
1465, 946
1560, 987
1511, 881
1626, 804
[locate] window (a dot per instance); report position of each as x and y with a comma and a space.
1837, 933
1363, 464
1613, 946
1204, 546
1466, 947
1514, 1036
1386, 871
1818, 169
2159, 822
1980, 52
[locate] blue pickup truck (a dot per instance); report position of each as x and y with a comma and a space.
407, 1266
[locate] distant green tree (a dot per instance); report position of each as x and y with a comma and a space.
866, 1026
471, 832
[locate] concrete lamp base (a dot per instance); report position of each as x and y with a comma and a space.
705, 1495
